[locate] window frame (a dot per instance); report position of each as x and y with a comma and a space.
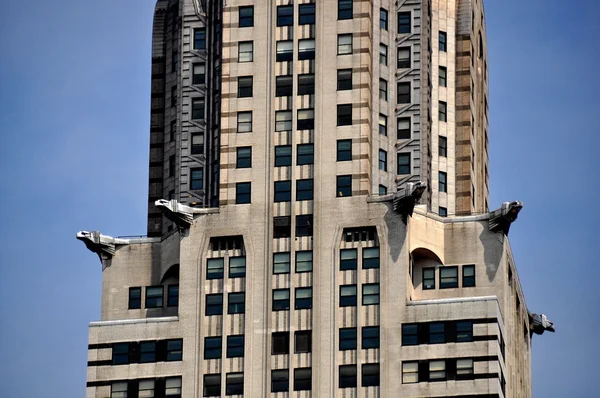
410, 334
404, 26
444, 283
302, 341
198, 78
306, 14
285, 15
344, 44
443, 41
403, 93
245, 54
344, 79
234, 383
382, 163
305, 51
280, 380
370, 337
383, 89
348, 339
282, 339
243, 125
306, 87
302, 379
410, 372
283, 304
286, 52
199, 39
305, 122
304, 301
233, 346
443, 181
404, 63
442, 111
284, 85
241, 196
282, 191
383, 126
370, 262
305, 158
281, 259
343, 185
443, 76
198, 108
442, 146
248, 19
383, 54
304, 225
216, 306
346, 298
348, 376
304, 189
135, 303
195, 183
173, 299
404, 133
348, 263
469, 280
343, 154
212, 385
370, 375
303, 265
344, 115
285, 159
159, 299
234, 270
284, 119
404, 167
236, 303
213, 347
383, 18
370, 298
424, 279
243, 159
245, 86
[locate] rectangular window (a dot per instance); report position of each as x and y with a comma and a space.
344, 150
370, 257
348, 259
172, 130
302, 341
403, 93
244, 122
246, 16
306, 119
244, 157
464, 331
173, 96
282, 227
173, 387
283, 86
235, 346
304, 225
443, 146
348, 339
285, 51
118, 389
348, 296
200, 39
154, 297
306, 84
281, 263
344, 79
404, 22
283, 121
280, 380
197, 144
403, 131
236, 303
443, 41
383, 89
437, 370
443, 177
146, 388
442, 112
370, 337
174, 350
303, 298
403, 61
344, 186
302, 379
344, 44
410, 372
382, 190
212, 347
304, 154
120, 353
285, 15
448, 277
304, 261
464, 367
410, 334
344, 9
283, 155
199, 74
370, 374
196, 178
383, 54
344, 114
243, 193
382, 160
306, 49
404, 163
428, 278
234, 383
245, 51
347, 376
212, 385
172, 166
383, 19
283, 191
304, 189
306, 14
443, 76
135, 298
281, 299
370, 294
214, 268
468, 276
244, 87
173, 296
280, 343
214, 304
437, 333
382, 124
198, 108
442, 211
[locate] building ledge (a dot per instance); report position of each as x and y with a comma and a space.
453, 300
134, 321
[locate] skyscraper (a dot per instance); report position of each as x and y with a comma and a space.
318, 219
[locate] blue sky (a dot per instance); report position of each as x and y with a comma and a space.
75, 80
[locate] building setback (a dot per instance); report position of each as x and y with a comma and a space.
318, 221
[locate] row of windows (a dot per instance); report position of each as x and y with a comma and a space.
437, 370
234, 384
168, 388
236, 303
154, 297
449, 277
147, 351
349, 341
213, 347
437, 332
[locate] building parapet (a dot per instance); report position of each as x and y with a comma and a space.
134, 321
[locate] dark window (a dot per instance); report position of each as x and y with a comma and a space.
236, 303
154, 297
464, 331
198, 108
304, 261
172, 130
283, 191
383, 89
285, 50
173, 296
234, 384
120, 353
403, 131
214, 304
437, 333
443, 177
443, 146
442, 211
448, 277
246, 16
282, 227
174, 350
383, 54
382, 160
281, 263
404, 22
348, 296
410, 334
244, 157
196, 178
370, 294
306, 49
370, 374
344, 186
135, 298
348, 259
200, 39
245, 51
383, 19
344, 115
348, 339
428, 278
304, 225
442, 113
306, 14
344, 79
303, 298
199, 74
382, 124
442, 77
306, 84
214, 268
235, 346
280, 380
174, 60
212, 347
172, 166
347, 376
302, 341
280, 343
382, 190
443, 41
283, 155
281, 299
305, 154
344, 9
370, 257
244, 86
283, 86
468, 275
344, 44
404, 163
403, 94
403, 61
370, 337
173, 96
243, 192
344, 150
285, 15
306, 119
197, 144
302, 379
304, 189
212, 385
